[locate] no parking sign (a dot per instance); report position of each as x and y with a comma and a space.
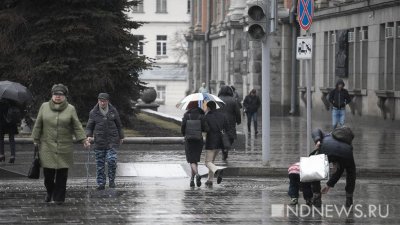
305, 13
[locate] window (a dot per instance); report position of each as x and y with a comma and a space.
161, 6
188, 6
138, 8
389, 54
160, 92
139, 39
358, 58
161, 45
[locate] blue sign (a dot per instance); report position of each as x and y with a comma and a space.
305, 13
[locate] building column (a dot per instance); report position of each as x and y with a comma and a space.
199, 15
190, 81
236, 9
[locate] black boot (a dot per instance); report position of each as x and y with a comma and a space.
198, 180
12, 160
316, 200
224, 154
47, 198
219, 178
349, 202
192, 182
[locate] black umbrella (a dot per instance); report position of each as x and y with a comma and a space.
15, 91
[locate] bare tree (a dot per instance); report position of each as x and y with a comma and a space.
180, 47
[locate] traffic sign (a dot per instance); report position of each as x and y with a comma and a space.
305, 13
304, 47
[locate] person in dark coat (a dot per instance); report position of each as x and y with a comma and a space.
338, 147
251, 105
194, 148
237, 97
231, 111
105, 126
8, 126
216, 122
339, 98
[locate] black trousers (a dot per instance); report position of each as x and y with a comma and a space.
308, 188
55, 181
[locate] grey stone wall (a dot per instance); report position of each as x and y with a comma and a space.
370, 103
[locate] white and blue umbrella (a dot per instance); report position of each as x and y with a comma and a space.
200, 98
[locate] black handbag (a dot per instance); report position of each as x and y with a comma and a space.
226, 142
34, 171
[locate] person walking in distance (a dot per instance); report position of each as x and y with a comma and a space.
193, 124
251, 105
10, 117
203, 89
56, 124
339, 98
105, 126
216, 122
231, 111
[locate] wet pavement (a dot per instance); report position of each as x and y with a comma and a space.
153, 185
170, 201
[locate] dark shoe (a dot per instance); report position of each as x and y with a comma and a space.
219, 178
294, 201
47, 198
349, 202
309, 202
3, 159
59, 202
316, 200
224, 155
112, 185
256, 132
198, 180
209, 183
101, 187
192, 182
12, 160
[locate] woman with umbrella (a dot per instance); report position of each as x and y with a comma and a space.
193, 125
193, 146
12, 97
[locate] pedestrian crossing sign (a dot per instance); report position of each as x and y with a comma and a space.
304, 48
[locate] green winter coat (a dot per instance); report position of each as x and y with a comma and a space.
54, 129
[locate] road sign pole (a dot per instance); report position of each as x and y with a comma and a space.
305, 12
308, 81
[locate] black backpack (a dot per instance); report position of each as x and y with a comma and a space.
193, 129
13, 115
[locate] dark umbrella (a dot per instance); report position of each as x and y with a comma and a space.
15, 91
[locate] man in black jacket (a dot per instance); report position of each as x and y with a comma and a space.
231, 111
105, 126
338, 147
251, 105
339, 98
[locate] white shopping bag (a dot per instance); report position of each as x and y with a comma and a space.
314, 168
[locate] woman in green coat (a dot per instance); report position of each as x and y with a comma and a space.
56, 125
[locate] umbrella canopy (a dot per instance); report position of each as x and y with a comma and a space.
15, 91
200, 98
